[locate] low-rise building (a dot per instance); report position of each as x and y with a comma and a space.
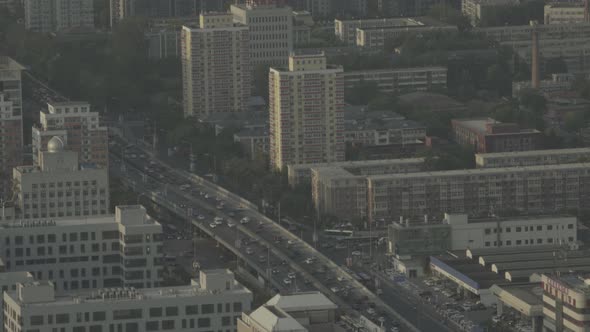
407, 8
382, 134
204, 305
8, 283
376, 37
81, 253
299, 312
476, 10
566, 300
564, 13
395, 80
346, 30
60, 186
163, 43
301, 174
558, 83
532, 157
488, 135
254, 141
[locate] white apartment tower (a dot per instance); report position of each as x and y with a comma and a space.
306, 112
124, 250
11, 120
215, 66
60, 187
77, 126
56, 15
271, 32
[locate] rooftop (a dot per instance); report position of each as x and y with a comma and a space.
482, 171
274, 319
576, 282
252, 132
302, 301
130, 294
521, 154
430, 100
7, 63
352, 164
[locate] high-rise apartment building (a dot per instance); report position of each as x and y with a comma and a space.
11, 118
121, 250
564, 13
59, 186
215, 66
476, 10
204, 305
120, 9
306, 112
56, 15
78, 128
271, 32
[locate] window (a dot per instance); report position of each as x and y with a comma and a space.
203, 322
167, 325
37, 320
539, 241
487, 244
518, 229
171, 311
518, 242
131, 327
225, 321
99, 316
152, 326
570, 226
539, 228
192, 309
237, 306
127, 314
155, 312
207, 308
487, 231
62, 318
549, 227
508, 242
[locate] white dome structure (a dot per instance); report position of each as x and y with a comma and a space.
55, 144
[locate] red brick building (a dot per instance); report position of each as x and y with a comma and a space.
488, 135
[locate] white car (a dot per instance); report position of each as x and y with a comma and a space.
249, 251
287, 281
245, 220
356, 253
335, 290
291, 275
212, 225
309, 260
291, 242
371, 311
201, 217
230, 224
340, 278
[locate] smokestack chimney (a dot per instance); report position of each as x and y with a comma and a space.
535, 75
587, 11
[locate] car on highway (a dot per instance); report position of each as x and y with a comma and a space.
291, 275
218, 221
309, 260
335, 289
245, 220
201, 217
290, 242
249, 251
212, 225
275, 271
371, 311
356, 253
287, 281
230, 224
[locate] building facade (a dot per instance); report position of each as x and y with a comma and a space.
271, 32
254, 141
407, 8
533, 189
488, 135
57, 15
11, 120
120, 9
564, 13
124, 250
396, 80
532, 157
60, 186
216, 69
163, 43
476, 9
78, 127
203, 305
306, 102
377, 37
565, 302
